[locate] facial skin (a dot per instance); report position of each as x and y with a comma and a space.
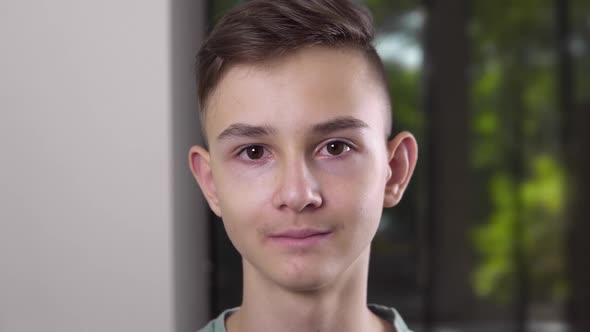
300, 144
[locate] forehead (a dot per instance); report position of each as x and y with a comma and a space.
311, 85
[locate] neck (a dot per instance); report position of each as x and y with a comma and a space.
340, 306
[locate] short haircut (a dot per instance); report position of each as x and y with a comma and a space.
258, 31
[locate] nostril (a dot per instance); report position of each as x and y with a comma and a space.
297, 200
315, 201
296, 189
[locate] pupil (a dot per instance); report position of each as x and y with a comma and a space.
335, 148
254, 152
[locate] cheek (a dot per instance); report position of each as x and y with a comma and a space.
356, 190
242, 187
355, 182
243, 196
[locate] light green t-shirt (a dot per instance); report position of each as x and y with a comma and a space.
389, 315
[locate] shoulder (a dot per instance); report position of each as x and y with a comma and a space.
390, 315
218, 324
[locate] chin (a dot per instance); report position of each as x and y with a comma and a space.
304, 285
298, 279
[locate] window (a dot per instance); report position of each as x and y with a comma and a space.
488, 234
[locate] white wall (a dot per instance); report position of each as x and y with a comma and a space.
101, 226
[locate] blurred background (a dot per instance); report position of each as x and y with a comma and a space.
494, 231
103, 228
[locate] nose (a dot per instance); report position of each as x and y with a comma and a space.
297, 189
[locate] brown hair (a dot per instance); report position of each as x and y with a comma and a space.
260, 30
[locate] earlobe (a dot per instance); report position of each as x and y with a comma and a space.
200, 165
403, 154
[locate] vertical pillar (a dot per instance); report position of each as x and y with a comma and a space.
448, 294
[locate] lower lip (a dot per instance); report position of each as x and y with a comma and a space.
300, 243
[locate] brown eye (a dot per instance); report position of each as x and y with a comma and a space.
337, 148
254, 152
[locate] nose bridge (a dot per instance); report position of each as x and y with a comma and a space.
297, 186
296, 172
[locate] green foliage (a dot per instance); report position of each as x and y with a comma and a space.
494, 243
536, 202
515, 149
383, 9
486, 122
404, 89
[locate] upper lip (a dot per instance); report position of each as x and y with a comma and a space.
299, 233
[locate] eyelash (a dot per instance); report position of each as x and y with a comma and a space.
347, 146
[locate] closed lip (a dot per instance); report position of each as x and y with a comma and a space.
299, 233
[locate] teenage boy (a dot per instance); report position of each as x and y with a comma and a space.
296, 116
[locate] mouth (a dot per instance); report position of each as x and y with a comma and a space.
300, 238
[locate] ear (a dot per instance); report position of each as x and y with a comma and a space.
200, 164
402, 157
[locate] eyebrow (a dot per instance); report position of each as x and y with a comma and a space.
238, 130
339, 123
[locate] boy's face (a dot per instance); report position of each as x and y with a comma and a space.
299, 167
